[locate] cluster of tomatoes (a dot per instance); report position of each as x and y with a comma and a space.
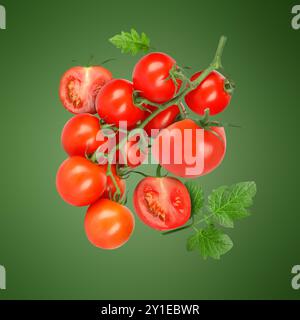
154, 100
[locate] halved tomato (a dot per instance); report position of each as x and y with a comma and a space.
162, 203
79, 87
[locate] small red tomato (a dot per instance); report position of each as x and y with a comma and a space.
162, 203
80, 135
110, 187
115, 103
163, 119
187, 150
131, 154
79, 87
108, 224
80, 182
150, 77
210, 94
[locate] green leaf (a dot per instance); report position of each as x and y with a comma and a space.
197, 196
210, 242
228, 204
131, 42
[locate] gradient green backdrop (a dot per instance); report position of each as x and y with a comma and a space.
42, 242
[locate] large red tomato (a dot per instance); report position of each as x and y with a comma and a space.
79, 87
210, 94
115, 103
80, 182
80, 135
162, 203
187, 150
150, 77
108, 224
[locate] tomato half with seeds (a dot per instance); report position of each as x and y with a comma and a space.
108, 224
80, 182
150, 77
81, 135
79, 87
162, 203
210, 94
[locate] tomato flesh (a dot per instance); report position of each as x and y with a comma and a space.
79, 87
108, 224
162, 203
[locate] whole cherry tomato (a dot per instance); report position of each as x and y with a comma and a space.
108, 224
150, 77
80, 182
210, 94
163, 119
115, 103
81, 135
187, 150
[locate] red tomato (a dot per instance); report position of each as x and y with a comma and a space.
192, 152
115, 103
110, 187
150, 74
163, 119
162, 203
80, 182
210, 94
131, 154
79, 87
108, 224
80, 135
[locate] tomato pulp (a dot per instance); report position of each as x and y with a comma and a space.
79, 87
162, 203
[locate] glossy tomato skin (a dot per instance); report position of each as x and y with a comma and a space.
110, 189
80, 182
162, 203
114, 103
210, 94
131, 154
163, 119
213, 145
79, 87
108, 224
80, 134
150, 74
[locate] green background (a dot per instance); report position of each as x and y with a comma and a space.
42, 241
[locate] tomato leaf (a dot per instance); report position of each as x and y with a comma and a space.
210, 242
228, 204
131, 42
197, 197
